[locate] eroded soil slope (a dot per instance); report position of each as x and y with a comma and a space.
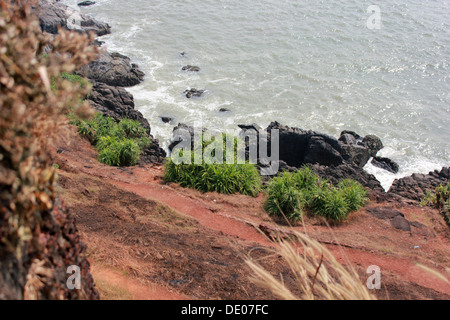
151, 240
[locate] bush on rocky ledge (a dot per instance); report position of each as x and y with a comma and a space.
439, 199
118, 144
227, 178
293, 194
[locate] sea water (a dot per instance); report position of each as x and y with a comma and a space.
327, 66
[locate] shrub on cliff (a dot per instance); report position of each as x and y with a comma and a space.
293, 194
38, 237
223, 177
439, 199
118, 144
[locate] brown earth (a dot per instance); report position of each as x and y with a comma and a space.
153, 240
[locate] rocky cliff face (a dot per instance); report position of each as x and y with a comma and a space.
53, 15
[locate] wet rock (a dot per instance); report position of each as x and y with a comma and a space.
373, 144
386, 164
166, 119
358, 150
53, 15
86, 3
193, 92
113, 69
190, 68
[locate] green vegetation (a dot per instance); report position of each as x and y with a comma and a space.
74, 79
293, 194
118, 144
440, 199
223, 178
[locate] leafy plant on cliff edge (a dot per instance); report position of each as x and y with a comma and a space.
439, 199
118, 144
227, 178
293, 194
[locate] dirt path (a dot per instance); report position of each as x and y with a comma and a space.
134, 289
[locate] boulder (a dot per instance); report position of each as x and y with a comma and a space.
386, 164
166, 119
358, 150
190, 68
113, 69
86, 3
177, 138
53, 15
193, 92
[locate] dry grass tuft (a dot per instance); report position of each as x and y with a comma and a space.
317, 272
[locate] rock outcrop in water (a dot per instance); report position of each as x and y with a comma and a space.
193, 93
330, 158
358, 150
386, 164
113, 69
52, 15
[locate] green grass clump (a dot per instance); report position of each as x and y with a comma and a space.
227, 178
118, 144
293, 194
73, 78
439, 199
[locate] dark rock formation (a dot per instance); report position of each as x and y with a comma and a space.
115, 102
415, 186
53, 15
224, 110
193, 92
358, 150
166, 119
396, 218
190, 68
86, 3
179, 133
346, 170
386, 164
153, 153
298, 147
322, 149
113, 69
324, 154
